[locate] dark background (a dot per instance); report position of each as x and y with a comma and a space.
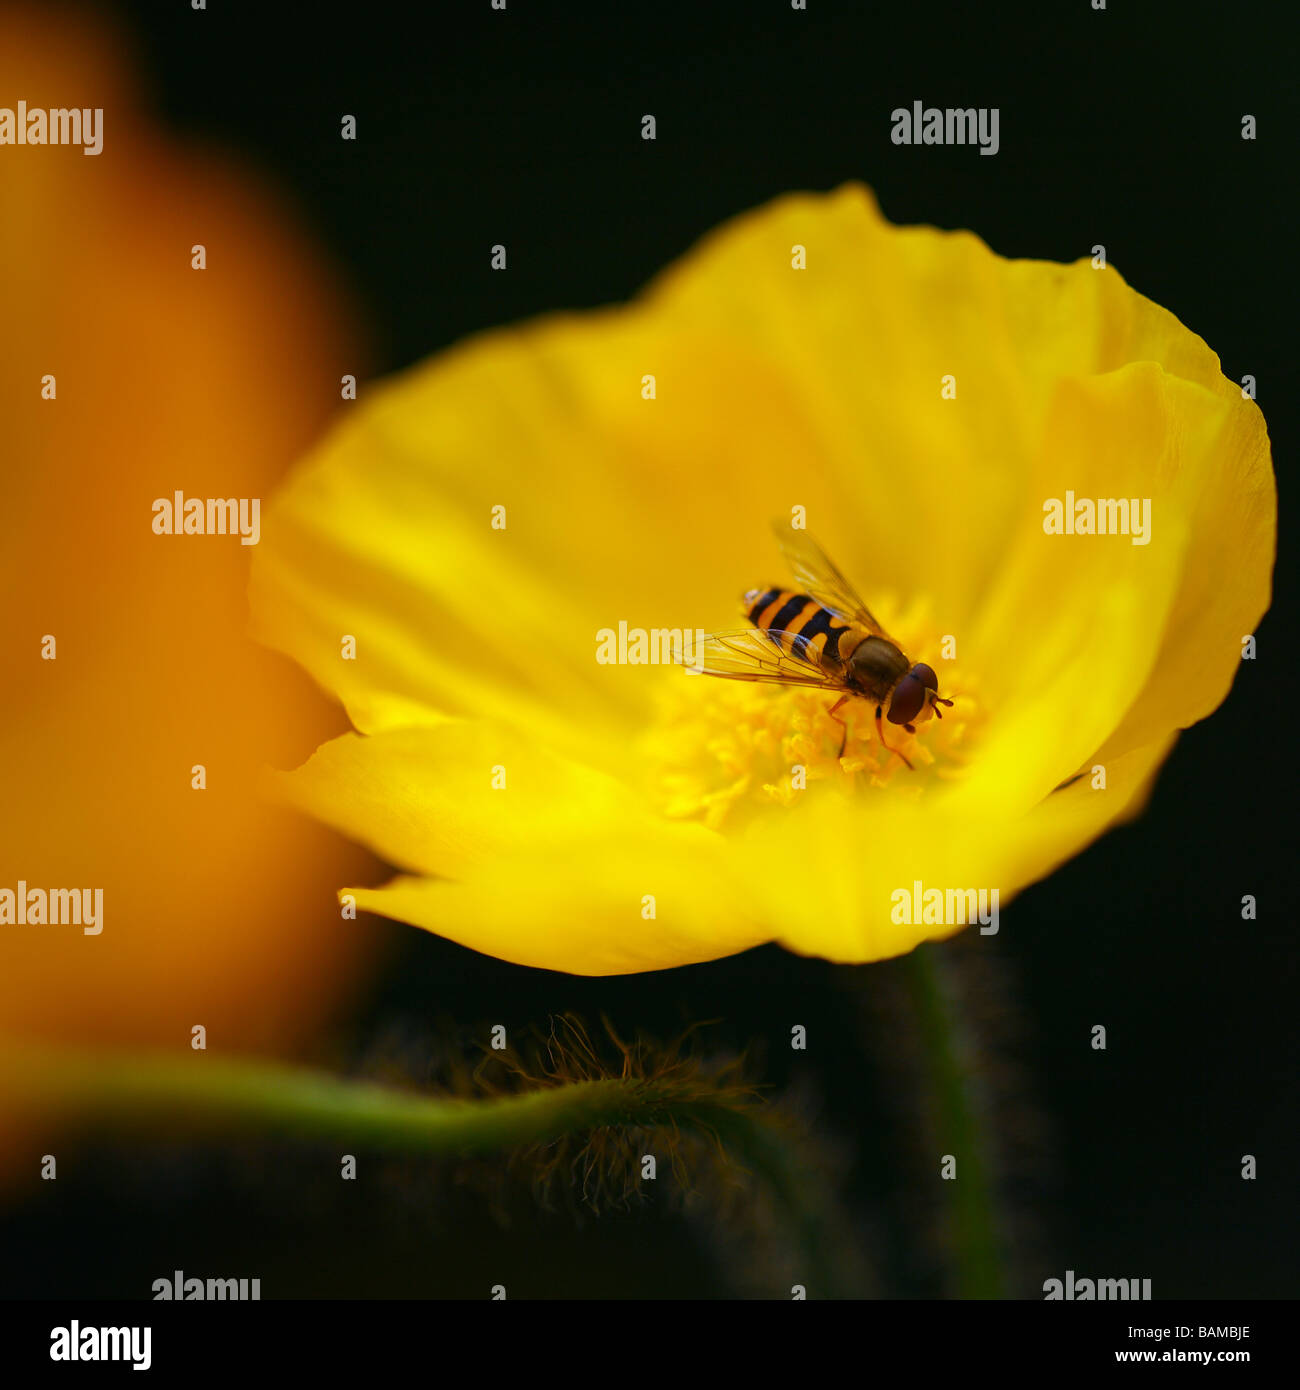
1120, 127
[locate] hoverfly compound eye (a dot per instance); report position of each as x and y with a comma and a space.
925, 674
906, 702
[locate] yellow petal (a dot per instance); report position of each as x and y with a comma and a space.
453, 797
838, 900
552, 861
582, 907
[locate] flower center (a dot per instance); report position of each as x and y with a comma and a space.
721, 749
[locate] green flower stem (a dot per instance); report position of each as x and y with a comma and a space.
161, 1092
971, 1204
173, 1096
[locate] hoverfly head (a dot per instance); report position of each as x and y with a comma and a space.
915, 697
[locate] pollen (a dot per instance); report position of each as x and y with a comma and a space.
720, 750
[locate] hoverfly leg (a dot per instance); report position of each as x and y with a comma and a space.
880, 734
844, 737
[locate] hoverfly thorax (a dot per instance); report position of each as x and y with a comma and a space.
875, 667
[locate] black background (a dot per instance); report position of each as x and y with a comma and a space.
1120, 127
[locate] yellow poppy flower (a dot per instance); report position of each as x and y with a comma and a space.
925, 405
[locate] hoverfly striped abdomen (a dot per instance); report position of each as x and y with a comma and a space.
824, 637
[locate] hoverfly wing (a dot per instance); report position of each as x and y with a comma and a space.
819, 576
783, 658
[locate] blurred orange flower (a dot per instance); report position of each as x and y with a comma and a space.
217, 910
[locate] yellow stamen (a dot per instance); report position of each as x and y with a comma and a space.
721, 749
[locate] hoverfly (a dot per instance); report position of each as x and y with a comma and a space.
823, 635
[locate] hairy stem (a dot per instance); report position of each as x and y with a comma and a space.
971, 1203
171, 1096
162, 1092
